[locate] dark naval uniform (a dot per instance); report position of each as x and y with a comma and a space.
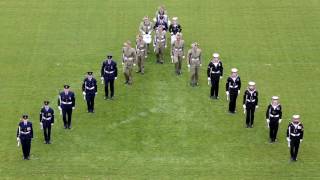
109, 72
215, 72
250, 100
89, 89
162, 23
46, 120
174, 29
294, 136
233, 87
274, 114
66, 102
25, 135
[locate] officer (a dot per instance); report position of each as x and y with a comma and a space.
194, 63
160, 44
214, 73
177, 53
294, 136
146, 28
250, 103
162, 12
128, 61
233, 87
141, 49
24, 136
109, 73
161, 22
66, 103
274, 118
89, 91
46, 121
174, 28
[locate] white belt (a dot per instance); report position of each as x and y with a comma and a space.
178, 49
194, 59
21, 132
295, 134
215, 72
251, 100
233, 86
141, 50
126, 58
44, 118
273, 115
109, 72
66, 102
89, 88
160, 40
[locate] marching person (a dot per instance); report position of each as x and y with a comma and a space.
162, 12
141, 49
177, 53
109, 73
194, 63
174, 28
128, 61
46, 121
89, 91
66, 104
214, 73
161, 22
294, 136
160, 44
24, 136
250, 103
233, 87
274, 118
146, 29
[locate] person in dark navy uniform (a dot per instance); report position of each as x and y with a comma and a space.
274, 118
109, 73
24, 136
214, 73
295, 136
233, 86
89, 90
250, 103
46, 121
66, 103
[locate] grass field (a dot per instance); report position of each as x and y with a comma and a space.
159, 128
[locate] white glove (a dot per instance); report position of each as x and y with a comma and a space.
200, 64
41, 126
122, 64
188, 65
280, 121
73, 108
268, 121
115, 77
227, 93
96, 93
288, 139
102, 78
52, 124
257, 106
183, 57
84, 93
59, 107
221, 77
238, 91
134, 64
244, 106
171, 33
301, 140
18, 139
209, 79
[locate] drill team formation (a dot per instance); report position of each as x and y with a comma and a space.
137, 55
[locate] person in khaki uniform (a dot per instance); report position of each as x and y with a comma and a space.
141, 49
128, 60
146, 28
160, 44
194, 63
177, 54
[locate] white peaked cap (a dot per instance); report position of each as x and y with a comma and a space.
251, 83
275, 97
296, 116
215, 55
174, 18
234, 70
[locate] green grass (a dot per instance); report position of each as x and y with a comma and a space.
160, 128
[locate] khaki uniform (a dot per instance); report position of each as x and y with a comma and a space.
129, 58
146, 28
177, 53
141, 49
194, 58
160, 45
